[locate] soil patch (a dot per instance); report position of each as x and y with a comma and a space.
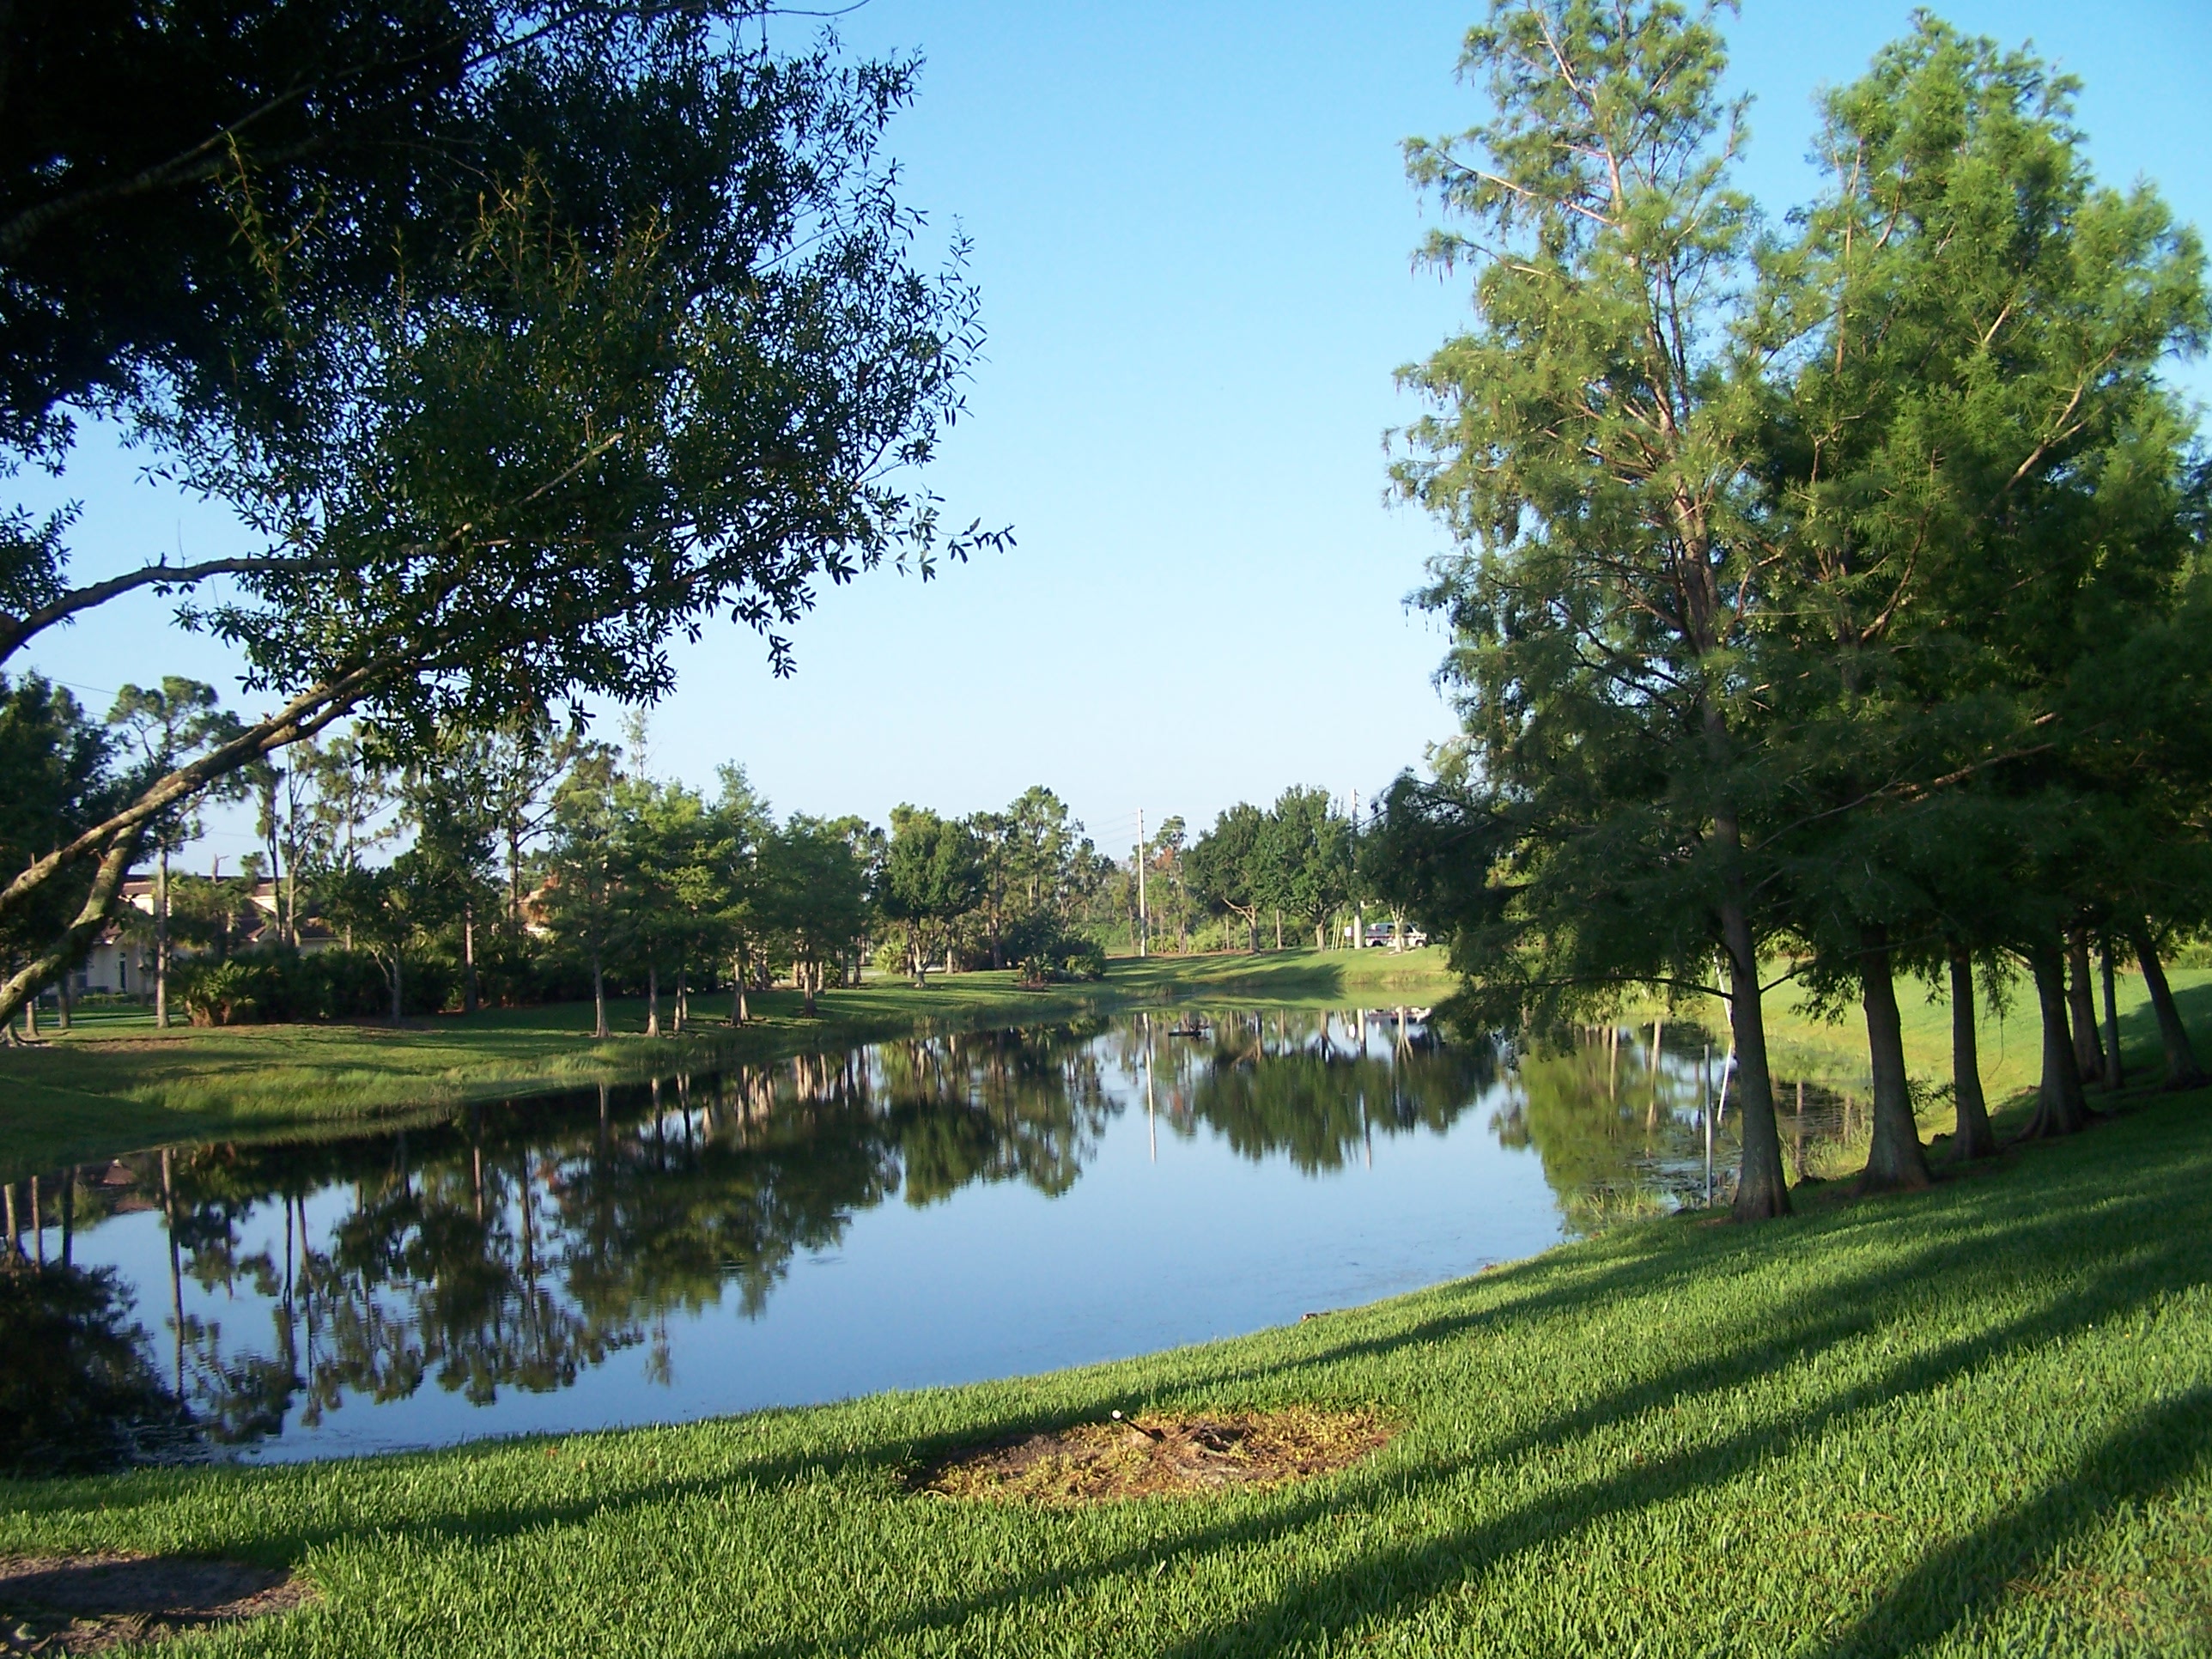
82, 1603
1154, 1455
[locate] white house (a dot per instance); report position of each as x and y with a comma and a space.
117, 964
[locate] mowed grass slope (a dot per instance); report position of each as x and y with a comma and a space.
1973, 1420
114, 1084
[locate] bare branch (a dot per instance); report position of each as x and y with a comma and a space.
17, 631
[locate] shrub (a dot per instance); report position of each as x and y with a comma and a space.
229, 993
1049, 953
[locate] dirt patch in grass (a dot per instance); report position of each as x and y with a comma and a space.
83, 1603
1157, 1455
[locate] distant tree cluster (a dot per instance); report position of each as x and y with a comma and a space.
1296, 860
532, 863
1832, 598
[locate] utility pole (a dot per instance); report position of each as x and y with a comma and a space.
1144, 916
1359, 899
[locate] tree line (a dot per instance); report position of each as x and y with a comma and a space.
1829, 594
533, 862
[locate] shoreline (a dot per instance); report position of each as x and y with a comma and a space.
88, 1095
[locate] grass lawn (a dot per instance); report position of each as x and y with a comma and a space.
1974, 1420
2011, 1043
114, 1084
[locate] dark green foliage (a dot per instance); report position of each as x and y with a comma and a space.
280, 986
79, 1393
1809, 586
1224, 868
1048, 951
1304, 859
1980, 483
1296, 859
815, 905
59, 769
933, 874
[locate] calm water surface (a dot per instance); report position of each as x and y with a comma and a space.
922, 1212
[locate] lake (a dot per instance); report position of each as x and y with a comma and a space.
934, 1210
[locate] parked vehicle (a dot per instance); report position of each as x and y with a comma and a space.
1384, 935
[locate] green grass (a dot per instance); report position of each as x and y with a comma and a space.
114, 1084
2011, 1042
1976, 1420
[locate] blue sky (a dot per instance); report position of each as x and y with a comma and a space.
1192, 234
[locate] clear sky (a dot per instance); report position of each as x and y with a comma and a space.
1192, 234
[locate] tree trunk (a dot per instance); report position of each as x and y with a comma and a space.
62, 988
1279, 930
2116, 1076
1895, 1162
1321, 936
162, 938
396, 1005
276, 873
683, 996
809, 978
2081, 1008
468, 1002
2060, 1107
85, 927
2181, 1068
738, 1011
598, 998
1762, 1190
652, 999
1972, 1137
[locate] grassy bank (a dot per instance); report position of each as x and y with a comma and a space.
1977, 1421
114, 1084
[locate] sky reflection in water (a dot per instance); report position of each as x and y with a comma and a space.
922, 1212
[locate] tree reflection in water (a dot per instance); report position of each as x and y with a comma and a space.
1620, 1123
515, 1246
1314, 1085
80, 1390
519, 1245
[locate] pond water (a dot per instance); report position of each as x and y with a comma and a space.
929, 1211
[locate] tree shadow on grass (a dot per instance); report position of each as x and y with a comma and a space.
1386, 1582
2146, 1457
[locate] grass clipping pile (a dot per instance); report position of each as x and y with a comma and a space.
1153, 1456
